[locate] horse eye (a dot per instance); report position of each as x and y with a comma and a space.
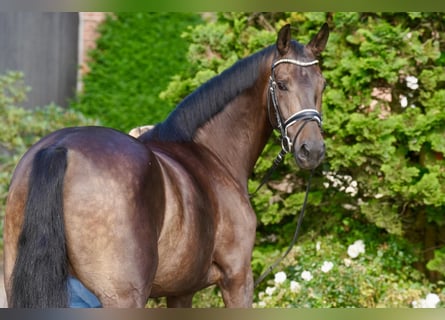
281, 85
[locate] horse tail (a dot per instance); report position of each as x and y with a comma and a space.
39, 278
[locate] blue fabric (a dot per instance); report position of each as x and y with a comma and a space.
81, 297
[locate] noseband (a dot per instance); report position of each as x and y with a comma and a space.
305, 115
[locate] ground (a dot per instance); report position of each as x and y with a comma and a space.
2, 287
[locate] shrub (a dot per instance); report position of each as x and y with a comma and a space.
384, 111
325, 273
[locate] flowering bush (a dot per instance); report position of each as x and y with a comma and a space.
333, 273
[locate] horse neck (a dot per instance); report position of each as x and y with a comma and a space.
238, 134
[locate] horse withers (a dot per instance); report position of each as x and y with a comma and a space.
166, 214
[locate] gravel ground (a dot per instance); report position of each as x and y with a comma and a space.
2, 289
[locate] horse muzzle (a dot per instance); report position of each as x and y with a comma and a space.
309, 153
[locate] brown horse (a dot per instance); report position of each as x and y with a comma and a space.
166, 214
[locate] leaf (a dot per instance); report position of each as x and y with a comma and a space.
438, 262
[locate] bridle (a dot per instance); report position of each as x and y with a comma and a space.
305, 115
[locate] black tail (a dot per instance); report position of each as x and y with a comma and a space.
39, 278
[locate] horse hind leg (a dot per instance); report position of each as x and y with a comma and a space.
237, 289
123, 298
120, 277
122, 282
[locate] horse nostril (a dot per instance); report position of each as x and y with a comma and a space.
309, 154
304, 150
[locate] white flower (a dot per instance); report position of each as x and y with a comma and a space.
270, 290
280, 277
306, 275
356, 248
317, 246
411, 82
360, 244
295, 286
347, 262
327, 266
351, 190
262, 304
403, 101
430, 301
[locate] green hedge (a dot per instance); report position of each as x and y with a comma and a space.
136, 55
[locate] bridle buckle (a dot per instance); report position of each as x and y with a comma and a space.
286, 144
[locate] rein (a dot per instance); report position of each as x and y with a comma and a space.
304, 115
294, 239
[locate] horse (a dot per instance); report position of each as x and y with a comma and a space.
168, 213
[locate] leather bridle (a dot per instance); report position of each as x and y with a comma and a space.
305, 115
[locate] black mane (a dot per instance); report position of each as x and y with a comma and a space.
209, 99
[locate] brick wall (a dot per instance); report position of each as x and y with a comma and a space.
88, 23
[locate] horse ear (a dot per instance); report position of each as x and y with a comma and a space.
318, 43
283, 40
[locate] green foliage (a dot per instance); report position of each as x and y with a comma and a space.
20, 128
136, 55
13, 90
438, 263
384, 117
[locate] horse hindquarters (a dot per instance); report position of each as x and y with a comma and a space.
41, 245
112, 208
110, 237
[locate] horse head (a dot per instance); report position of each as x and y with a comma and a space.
295, 91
